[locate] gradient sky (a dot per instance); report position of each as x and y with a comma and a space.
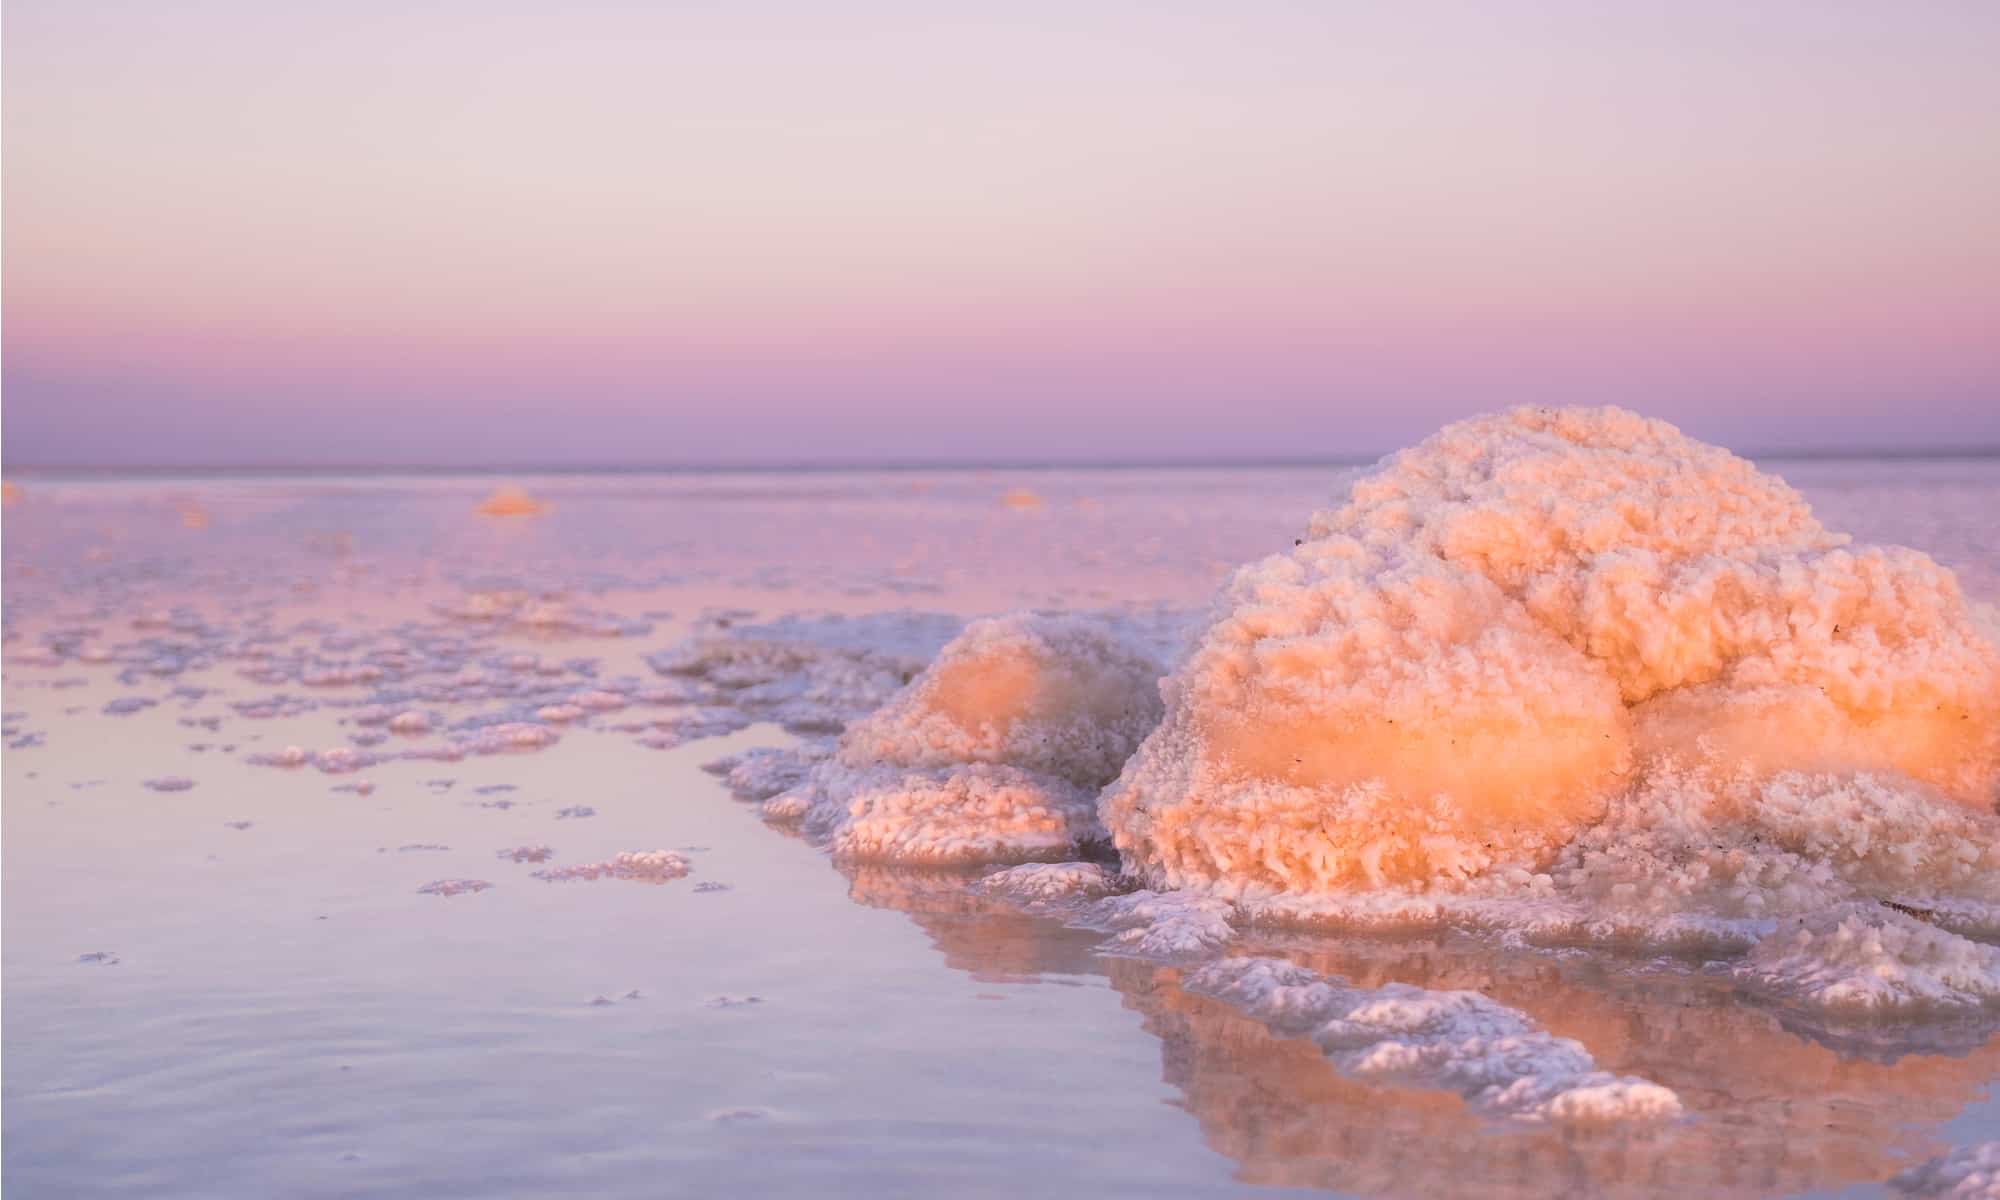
477, 231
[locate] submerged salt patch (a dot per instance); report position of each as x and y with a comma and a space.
1046, 881
1492, 1055
1504, 629
993, 754
651, 866
453, 887
763, 772
811, 675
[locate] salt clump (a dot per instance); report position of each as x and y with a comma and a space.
995, 753
1504, 630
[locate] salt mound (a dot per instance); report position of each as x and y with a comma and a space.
994, 753
1504, 629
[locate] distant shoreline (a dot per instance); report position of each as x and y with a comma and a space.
856, 467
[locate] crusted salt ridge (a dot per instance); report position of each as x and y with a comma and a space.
1869, 960
1492, 1055
1967, 1173
993, 754
1898, 888
1507, 628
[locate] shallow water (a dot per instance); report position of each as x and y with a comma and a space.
239, 987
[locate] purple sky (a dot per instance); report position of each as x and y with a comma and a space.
473, 231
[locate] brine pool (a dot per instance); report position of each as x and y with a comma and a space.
316, 788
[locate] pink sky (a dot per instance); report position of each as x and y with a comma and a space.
473, 231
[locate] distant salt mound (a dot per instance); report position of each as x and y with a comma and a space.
1506, 629
995, 753
511, 502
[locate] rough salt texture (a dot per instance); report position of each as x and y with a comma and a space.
1506, 631
978, 813
1968, 1173
994, 753
1492, 1055
1863, 959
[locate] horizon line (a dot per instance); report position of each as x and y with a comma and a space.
749, 466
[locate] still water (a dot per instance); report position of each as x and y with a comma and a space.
249, 721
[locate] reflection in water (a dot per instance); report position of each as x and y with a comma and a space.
1770, 1111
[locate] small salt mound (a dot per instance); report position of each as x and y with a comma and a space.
511, 502
1056, 695
993, 754
1506, 628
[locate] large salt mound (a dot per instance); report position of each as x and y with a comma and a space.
995, 753
1506, 628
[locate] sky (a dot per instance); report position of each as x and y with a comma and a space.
476, 232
